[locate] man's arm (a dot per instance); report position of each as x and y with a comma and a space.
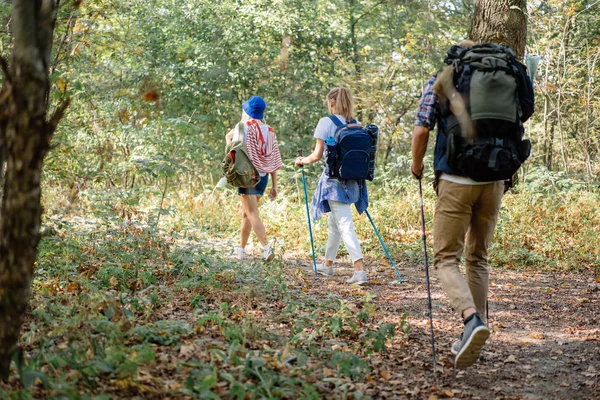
426, 119
419, 147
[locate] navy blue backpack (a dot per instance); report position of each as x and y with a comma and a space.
350, 154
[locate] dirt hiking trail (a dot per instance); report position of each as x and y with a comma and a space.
544, 343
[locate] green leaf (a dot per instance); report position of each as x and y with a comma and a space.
29, 378
101, 397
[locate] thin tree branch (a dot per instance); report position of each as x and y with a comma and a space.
59, 114
69, 26
367, 12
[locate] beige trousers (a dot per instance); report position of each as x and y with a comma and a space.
471, 211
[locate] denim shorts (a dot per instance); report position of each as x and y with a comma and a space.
259, 189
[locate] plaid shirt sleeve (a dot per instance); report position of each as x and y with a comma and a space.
428, 111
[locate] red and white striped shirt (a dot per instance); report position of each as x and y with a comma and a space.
265, 155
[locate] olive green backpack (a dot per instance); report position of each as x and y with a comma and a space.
236, 166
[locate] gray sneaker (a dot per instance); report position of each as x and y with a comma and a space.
456, 345
358, 278
473, 338
324, 270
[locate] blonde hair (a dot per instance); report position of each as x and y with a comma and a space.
343, 102
246, 117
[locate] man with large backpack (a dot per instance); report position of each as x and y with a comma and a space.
479, 102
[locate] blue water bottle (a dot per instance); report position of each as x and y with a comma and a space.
331, 149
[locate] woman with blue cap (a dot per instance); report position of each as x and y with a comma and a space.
263, 151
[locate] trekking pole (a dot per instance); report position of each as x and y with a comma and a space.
427, 276
384, 246
312, 245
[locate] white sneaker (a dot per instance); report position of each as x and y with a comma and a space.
358, 278
239, 253
268, 253
324, 270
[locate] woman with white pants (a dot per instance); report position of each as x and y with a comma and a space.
334, 196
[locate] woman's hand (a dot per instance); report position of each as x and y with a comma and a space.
298, 162
273, 193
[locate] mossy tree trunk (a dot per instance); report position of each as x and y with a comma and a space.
501, 21
25, 133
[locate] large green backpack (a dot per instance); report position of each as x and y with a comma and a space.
236, 165
498, 96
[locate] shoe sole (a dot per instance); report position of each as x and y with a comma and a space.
358, 283
469, 353
271, 257
324, 274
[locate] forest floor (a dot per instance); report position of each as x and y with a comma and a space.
140, 317
545, 341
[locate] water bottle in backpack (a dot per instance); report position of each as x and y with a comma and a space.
330, 156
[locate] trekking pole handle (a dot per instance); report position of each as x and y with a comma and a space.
300, 152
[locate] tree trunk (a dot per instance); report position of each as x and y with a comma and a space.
25, 133
501, 21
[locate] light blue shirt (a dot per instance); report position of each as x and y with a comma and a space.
344, 191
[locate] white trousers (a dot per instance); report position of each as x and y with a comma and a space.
340, 227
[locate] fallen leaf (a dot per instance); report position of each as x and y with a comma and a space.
598, 279
537, 335
448, 393
432, 397
511, 359
113, 281
186, 350
385, 375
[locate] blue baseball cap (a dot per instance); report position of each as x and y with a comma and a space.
255, 107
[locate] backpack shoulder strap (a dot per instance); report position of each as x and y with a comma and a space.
336, 121
338, 126
239, 131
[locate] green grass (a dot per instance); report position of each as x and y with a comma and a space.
122, 306
129, 310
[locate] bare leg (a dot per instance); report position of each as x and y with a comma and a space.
250, 208
358, 265
245, 230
